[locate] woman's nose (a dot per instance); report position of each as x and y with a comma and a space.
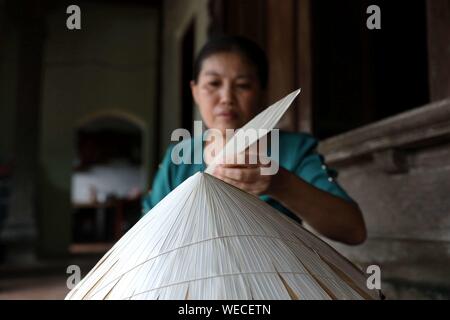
227, 95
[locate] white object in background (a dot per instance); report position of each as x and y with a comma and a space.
116, 178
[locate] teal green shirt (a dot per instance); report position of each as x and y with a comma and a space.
297, 153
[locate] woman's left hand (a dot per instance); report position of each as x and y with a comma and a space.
247, 177
331, 216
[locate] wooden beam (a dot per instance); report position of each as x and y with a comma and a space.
305, 65
238, 17
282, 55
438, 22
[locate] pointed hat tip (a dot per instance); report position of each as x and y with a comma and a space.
200, 175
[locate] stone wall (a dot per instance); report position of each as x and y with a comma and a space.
399, 172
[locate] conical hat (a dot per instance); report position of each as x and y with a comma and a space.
210, 240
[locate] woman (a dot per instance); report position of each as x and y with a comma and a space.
230, 75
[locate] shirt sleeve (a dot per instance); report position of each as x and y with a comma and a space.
162, 184
312, 169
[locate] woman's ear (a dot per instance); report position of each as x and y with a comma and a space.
194, 89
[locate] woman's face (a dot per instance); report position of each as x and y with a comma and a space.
227, 92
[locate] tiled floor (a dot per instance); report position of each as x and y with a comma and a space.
46, 280
48, 287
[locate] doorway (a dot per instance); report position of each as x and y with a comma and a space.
107, 181
187, 71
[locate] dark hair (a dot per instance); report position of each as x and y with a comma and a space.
238, 44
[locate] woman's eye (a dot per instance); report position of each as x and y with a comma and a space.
214, 83
244, 85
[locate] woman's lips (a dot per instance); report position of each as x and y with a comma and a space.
229, 115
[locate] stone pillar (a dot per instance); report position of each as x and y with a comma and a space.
20, 230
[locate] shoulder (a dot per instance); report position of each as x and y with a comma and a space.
178, 148
183, 159
302, 142
187, 142
300, 155
294, 148
190, 144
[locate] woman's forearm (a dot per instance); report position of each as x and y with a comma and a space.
331, 216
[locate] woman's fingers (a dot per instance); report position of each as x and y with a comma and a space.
247, 179
243, 174
238, 184
246, 158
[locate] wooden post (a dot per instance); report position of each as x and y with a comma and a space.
282, 55
21, 228
305, 66
438, 22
